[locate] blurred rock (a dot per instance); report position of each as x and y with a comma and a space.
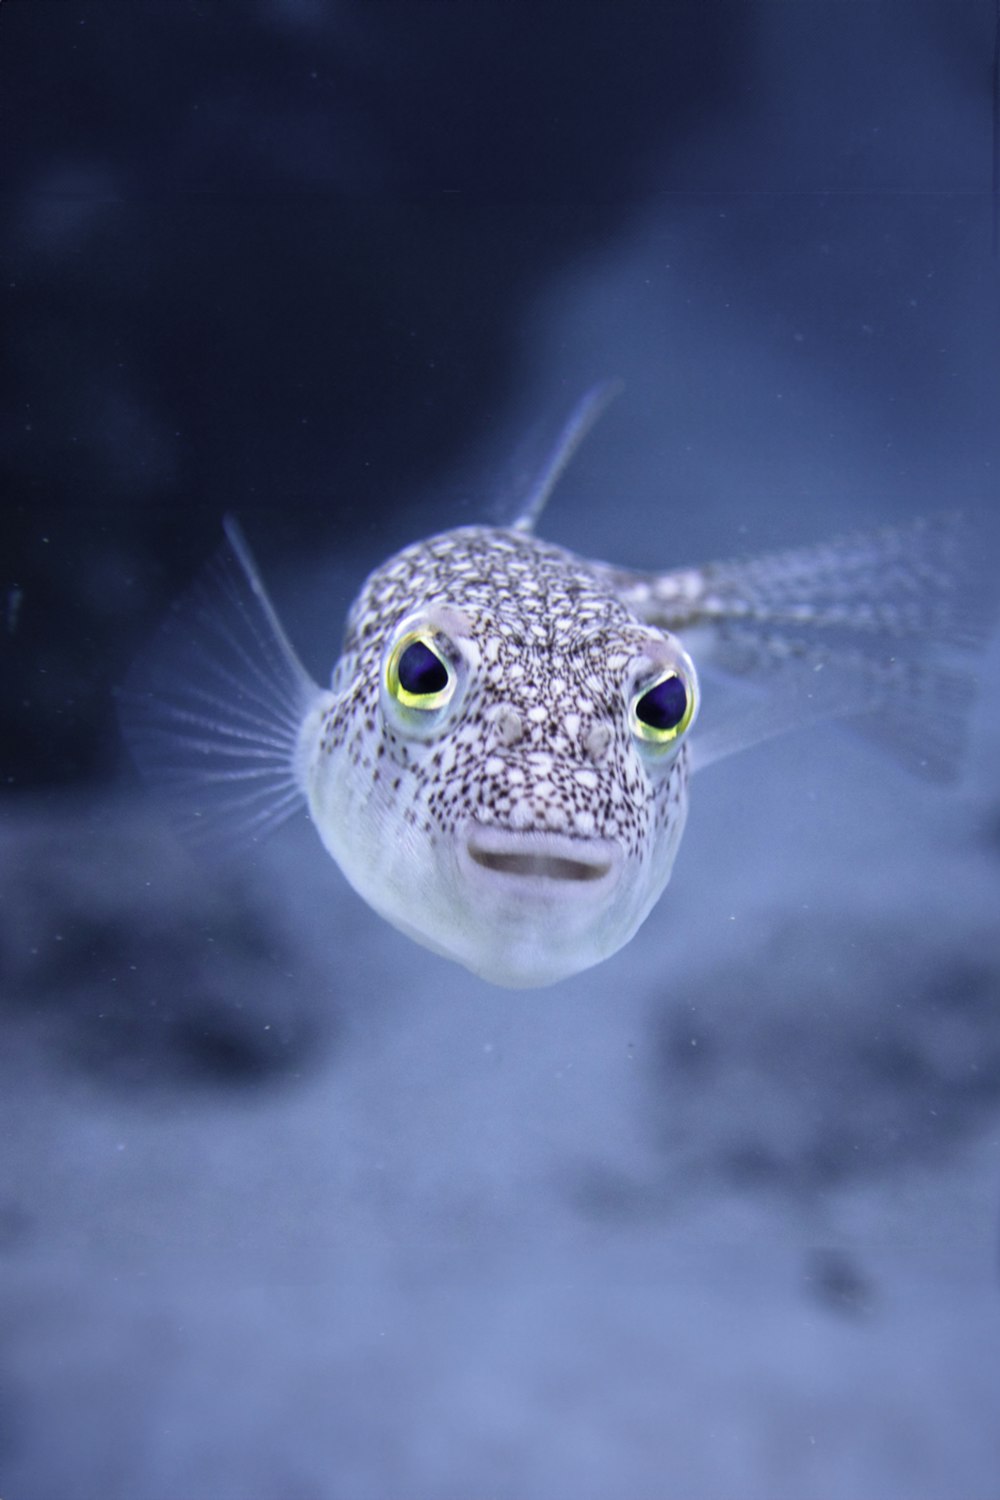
141, 966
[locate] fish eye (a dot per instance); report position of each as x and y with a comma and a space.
421, 671
417, 675
663, 709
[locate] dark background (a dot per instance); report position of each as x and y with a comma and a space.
289, 1208
272, 258
289, 259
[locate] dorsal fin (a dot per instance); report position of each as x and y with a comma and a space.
588, 409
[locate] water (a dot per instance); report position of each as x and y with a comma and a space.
289, 1208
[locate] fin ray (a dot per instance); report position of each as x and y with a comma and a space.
212, 712
871, 629
587, 411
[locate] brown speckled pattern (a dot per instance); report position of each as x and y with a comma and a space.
541, 737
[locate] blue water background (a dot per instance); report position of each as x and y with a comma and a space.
289, 1208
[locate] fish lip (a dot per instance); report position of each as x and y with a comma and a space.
546, 862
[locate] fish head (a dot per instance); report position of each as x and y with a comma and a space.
505, 783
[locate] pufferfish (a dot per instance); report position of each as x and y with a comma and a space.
500, 765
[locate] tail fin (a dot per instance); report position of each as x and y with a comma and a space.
876, 629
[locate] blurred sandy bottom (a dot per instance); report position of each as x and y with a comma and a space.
291, 1209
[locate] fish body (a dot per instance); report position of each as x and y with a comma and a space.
500, 765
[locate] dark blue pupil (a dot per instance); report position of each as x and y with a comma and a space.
421, 671
664, 706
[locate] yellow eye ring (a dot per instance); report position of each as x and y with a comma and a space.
417, 675
663, 709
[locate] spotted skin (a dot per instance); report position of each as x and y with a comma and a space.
543, 741
541, 744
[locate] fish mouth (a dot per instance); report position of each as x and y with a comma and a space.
547, 861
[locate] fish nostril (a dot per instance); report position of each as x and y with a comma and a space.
509, 727
597, 741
